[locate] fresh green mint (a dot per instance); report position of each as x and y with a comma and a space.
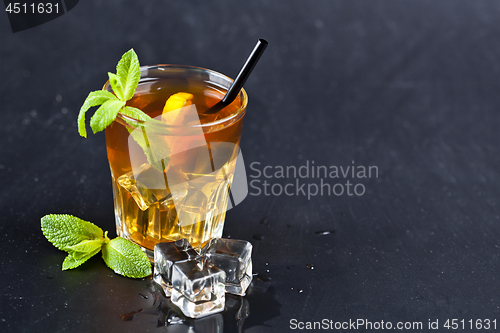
72, 260
125, 258
82, 240
123, 83
65, 231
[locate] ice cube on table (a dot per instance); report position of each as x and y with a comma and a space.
165, 255
234, 257
198, 287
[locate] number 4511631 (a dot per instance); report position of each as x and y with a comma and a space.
485, 324
40, 8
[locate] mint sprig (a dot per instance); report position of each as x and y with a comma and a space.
124, 84
82, 240
128, 73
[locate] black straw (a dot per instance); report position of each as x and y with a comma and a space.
240, 80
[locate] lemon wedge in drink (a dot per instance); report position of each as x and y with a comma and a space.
174, 106
177, 101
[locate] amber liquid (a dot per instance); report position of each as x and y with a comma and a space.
200, 216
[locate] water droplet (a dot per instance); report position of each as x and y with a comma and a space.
324, 232
145, 297
258, 237
310, 266
300, 291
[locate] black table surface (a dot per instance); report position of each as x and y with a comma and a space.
409, 87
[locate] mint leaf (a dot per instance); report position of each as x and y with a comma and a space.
85, 247
123, 84
129, 72
82, 240
134, 113
152, 143
105, 115
71, 262
154, 146
93, 99
116, 85
64, 231
126, 258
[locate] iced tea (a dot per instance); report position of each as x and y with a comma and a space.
191, 203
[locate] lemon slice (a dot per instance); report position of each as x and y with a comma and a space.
174, 106
177, 101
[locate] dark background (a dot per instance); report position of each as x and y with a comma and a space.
409, 86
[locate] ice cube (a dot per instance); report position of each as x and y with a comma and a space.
143, 196
147, 185
234, 257
166, 254
198, 287
194, 208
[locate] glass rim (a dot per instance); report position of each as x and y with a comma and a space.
121, 118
